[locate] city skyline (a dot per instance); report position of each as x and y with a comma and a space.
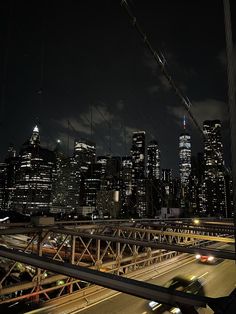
41, 180
71, 60
76, 146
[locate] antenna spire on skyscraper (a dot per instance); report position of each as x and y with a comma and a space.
184, 123
35, 139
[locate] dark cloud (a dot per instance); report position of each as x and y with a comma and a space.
93, 56
207, 109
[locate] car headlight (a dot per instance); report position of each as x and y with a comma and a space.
210, 258
154, 305
175, 311
197, 256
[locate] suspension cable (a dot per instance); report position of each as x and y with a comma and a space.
161, 61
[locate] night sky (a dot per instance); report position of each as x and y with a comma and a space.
59, 59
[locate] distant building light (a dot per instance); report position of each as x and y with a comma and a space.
36, 129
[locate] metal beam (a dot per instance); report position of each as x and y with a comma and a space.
215, 229
20, 230
12, 231
169, 247
31, 284
126, 285
180, 234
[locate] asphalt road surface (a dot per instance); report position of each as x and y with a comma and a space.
219, 280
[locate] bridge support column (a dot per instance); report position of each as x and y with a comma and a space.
149, 255
98, 242
135, 255
72, 258
118, 262
98, 264
38, 278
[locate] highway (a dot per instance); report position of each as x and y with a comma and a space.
219, 280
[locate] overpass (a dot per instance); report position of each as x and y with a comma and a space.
106, 252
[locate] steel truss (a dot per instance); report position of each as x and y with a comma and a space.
110, 248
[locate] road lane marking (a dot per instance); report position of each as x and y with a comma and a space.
169, 270
203, 274
96, 303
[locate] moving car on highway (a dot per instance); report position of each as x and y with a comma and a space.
188, 284
209, 259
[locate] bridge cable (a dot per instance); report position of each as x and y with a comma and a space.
161, 61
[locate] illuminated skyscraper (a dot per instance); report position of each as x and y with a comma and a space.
12, 161
3, 184
110, 172
66, 183
138, 155
153, 182
138, 172
82, 161
126, 185
214, 190
184, 156
153, 161
35, 138
170, 189
33, 183
195, 183
84, 153
92, 184
213, 147
102, 160
167, 187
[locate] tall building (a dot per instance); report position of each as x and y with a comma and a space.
167, 184
138, 155
83, 161
195, 184
70, 184
229, 193
126, 185
12, 161
71, 180
58, 188
153, 161
167, 176
214, 189
102, 160
3, 184
33, 183
84, 153
153, 197
171, 189
138, 172
92, 184
213, 147
113, 173
66, 183
184, 156
108, 203
153, 186
110, 172
184, 165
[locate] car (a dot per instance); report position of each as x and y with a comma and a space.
209, 259
188, 284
